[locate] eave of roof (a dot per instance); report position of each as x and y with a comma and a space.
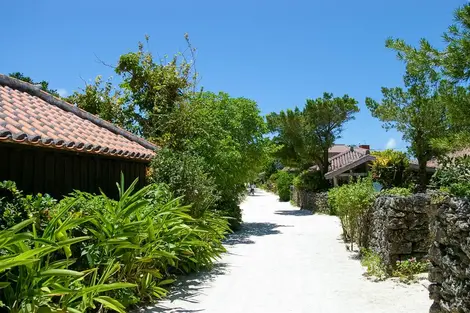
350, 165
146, 152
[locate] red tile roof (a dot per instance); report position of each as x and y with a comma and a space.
33, 117
347, 160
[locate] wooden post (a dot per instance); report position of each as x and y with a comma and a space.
335, 181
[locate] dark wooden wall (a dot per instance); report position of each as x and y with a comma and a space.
58, 172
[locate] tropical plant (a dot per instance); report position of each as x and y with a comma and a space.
38, 274
391, 168
95, 253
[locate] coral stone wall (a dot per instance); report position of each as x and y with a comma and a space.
399, 227
450, 256
309, 200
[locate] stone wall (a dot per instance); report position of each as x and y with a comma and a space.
399, 228
313, 201
450, 256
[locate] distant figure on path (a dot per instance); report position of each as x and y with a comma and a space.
252, 189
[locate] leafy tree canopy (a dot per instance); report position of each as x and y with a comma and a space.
103, 100
417, 109
306, 135
227, 132
150, 89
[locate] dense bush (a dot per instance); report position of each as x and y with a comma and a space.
310, 180
391, 168
453, 176
186, 177
95, 253
16, 207
283, 183
228, 135
271, 183
350, 202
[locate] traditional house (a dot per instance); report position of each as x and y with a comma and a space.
346, 161
50, 146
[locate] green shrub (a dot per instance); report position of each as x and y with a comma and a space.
407, 269
272, 181
283, 183
391, 168
16, 207
453, 176
310, 180
397, 191
350, 202
186, 177
95, 251
373, 262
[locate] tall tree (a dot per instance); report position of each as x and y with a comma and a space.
44, 84
306, 136
227, 132
455, 90
456, 57
416, 110
150, 90
155, 87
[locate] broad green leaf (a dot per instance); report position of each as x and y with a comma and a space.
60, 272
110, 303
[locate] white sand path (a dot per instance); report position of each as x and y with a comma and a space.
287, 260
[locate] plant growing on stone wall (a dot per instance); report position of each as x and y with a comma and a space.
407, 270
397, 191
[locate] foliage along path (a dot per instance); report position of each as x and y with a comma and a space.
287, 260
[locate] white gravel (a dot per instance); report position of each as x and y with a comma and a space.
286, 260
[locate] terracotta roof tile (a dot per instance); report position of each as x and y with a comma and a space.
34, 117
346, 160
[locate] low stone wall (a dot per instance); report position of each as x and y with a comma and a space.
450, 256
398, 228
313, 201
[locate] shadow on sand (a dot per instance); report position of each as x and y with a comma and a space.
294, 212
248, 230
187, 288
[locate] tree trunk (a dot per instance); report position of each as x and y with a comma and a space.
422, 174
325, 166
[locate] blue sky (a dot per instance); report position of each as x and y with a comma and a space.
278, 53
